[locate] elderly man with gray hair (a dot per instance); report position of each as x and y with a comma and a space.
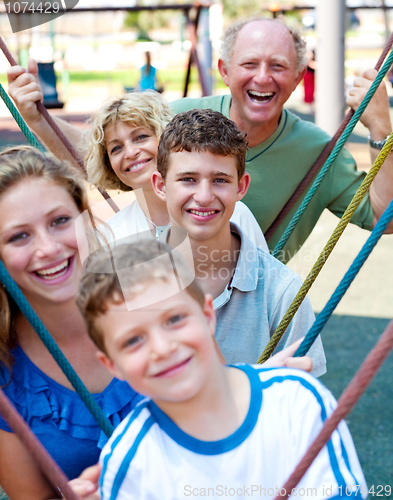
262, 62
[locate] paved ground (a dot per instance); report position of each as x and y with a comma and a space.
353, 330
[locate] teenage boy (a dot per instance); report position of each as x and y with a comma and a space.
204, 429
201, 163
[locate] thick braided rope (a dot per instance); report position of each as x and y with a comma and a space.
333, 155
55, 128
322, 157
347, 401
59, 357
312, 275
347, 280
48, 466
19, 120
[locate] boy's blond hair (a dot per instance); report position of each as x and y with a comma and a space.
139, 264
140, 109
202, 130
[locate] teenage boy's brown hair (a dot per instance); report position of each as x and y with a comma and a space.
138, 264
202, 130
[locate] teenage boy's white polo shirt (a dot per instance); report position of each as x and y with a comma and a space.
253, 304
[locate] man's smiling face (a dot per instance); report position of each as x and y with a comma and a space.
261, 75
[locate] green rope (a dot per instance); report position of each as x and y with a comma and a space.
312, 275
19, 120
333, 155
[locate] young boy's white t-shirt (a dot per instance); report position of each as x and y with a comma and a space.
148, 457
131, 220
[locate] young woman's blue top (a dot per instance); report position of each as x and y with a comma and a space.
58, 416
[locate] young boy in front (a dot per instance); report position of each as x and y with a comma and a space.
201, 163
204, 429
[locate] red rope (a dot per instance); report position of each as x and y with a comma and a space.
58, 132
321, 158
347, 401
48, 466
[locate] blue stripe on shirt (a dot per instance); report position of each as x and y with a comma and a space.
346, 459
121, 473
332, 455
116, 441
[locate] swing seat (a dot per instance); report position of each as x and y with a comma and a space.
47, 76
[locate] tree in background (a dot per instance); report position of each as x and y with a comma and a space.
236, 9
144, 21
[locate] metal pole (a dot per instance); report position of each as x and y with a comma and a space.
52, 36
207, 50
330, 99
386, 20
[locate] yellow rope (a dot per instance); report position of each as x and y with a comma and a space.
312, 275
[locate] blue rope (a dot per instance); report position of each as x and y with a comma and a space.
333, 155
345, 283
61, 360
19, 120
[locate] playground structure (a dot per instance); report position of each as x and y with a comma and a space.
192, 13
46, 74
385, 348
330, 75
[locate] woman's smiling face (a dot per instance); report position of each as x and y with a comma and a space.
38, 244
132, 152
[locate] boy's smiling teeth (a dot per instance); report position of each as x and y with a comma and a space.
134, 167
260, 96
54, 272
203, 214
